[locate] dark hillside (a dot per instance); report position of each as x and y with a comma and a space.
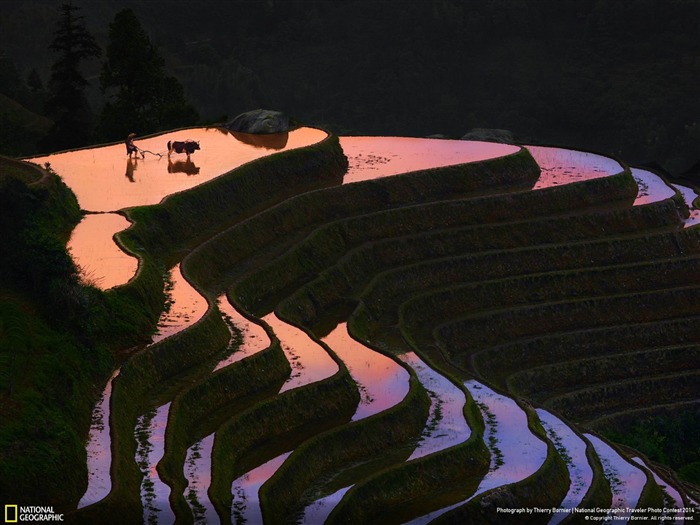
618, 77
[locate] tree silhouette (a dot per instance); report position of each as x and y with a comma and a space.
67, 104
141, 97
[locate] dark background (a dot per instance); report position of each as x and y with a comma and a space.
615, 76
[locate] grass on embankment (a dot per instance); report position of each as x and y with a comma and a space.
58, 337
370, 439
183, 220
231, 253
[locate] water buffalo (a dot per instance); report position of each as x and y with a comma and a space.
188, 146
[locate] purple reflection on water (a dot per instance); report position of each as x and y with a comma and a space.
150, 439
446, 424
672, 498
651, 187
99, 453
255, 339
563, 166
626, 481
516, 453
309, 361
246, 502
197, 470
320, 509
383, 383
572, 448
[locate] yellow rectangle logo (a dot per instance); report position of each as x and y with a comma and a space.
10, 513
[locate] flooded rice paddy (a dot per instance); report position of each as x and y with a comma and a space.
150, 438
374, 157
626, 480
516, 453
101, 261
572, 449
564, 166
99, 453
148, 180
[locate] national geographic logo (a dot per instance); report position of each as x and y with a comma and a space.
17, 514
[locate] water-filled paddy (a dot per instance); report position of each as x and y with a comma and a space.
516, 453
374, 157
651, 187
99, 452
564, 166
150, 439
626, 480
99, 258
185, 306
310, 362
382, 382
105, 179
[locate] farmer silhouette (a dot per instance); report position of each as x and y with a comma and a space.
130, 146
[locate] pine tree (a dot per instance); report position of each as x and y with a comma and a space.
142, 98
67, 104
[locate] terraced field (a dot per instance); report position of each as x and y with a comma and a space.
397, 342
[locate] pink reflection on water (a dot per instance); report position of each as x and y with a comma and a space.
564, 166
105, 179
446, 425
309, 361
651, 187
382, 382
185, 306
689, 196
246, 502
255, 339
99, 258
374, 157
573, 450
197, 471
150, 438
626, 481
672, 498
99, 453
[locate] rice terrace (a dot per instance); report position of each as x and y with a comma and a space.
315, 328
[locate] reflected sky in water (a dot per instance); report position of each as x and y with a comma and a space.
564, 166
105, 179
101, 261
374, 157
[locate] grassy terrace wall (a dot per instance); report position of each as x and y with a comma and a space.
617, 396
553, 286
529, 321
499, 362
313, 254
366, 440
545, 488
55, 345
543, 253
184, 219
331, 241
228, 255
275, 426
200, 410
550, 380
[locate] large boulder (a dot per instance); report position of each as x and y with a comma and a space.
260, 121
